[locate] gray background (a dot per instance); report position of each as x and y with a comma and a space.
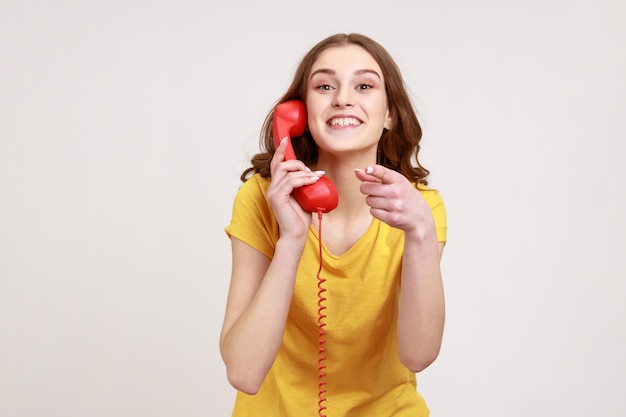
124, 126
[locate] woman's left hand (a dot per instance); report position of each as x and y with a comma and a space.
394, 200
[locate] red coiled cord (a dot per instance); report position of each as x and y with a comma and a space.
321, 358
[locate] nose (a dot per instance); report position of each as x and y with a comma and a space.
343, 98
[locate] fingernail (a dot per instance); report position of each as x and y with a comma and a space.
369, 170
283, 140
307, 169
314, 178
320, 172
358, 169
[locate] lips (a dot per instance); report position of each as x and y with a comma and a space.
344, 121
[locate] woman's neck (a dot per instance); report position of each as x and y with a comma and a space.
341, 172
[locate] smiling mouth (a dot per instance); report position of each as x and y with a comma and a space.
344, 121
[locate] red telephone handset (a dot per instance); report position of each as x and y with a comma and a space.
289, 120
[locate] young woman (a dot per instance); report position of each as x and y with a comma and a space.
379, 254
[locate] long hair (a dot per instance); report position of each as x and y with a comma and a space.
398, 147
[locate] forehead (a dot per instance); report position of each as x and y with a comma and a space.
348, 58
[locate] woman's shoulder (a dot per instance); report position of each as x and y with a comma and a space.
430, 194
435, 202
255, 182
258, 179
423, 187
253, 192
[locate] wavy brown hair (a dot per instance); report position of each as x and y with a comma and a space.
398, 148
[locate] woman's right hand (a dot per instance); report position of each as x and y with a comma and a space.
261, 287
287, 175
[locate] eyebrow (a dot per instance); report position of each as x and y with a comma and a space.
332, 72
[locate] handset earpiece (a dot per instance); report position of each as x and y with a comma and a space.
289, 120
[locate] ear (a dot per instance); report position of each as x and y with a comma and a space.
387, 125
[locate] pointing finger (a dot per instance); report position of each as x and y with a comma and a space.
378, 173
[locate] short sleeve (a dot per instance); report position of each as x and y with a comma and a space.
252, 219
438, 208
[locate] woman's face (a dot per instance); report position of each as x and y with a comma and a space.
346, 100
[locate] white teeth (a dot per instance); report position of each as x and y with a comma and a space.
346, 121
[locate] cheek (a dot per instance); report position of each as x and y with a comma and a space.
384, 114
314, 118
313, 126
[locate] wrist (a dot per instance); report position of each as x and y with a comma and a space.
425, 234
291, 243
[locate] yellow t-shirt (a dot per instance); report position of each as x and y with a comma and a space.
364, 376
